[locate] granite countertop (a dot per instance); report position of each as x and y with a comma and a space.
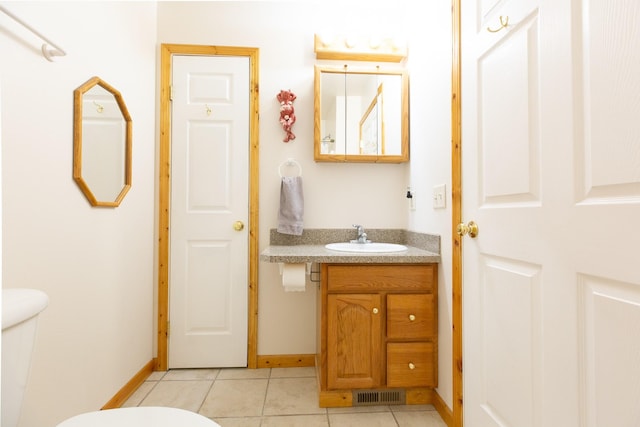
421, 248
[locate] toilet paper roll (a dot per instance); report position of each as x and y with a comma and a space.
294, 277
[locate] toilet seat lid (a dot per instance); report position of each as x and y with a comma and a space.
142, 416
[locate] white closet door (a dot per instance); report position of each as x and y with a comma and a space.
208, 285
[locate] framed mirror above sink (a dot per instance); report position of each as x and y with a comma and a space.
101, 143
361, 115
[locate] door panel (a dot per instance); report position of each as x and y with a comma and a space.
610, 327
608, 94
209, 182
605, 95
208, 190
204, 260
510, 328
508, 112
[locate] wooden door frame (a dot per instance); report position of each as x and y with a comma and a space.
166, 52
456, 213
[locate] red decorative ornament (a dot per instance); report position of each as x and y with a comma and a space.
287, 113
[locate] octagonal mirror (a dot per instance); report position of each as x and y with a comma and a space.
101, 143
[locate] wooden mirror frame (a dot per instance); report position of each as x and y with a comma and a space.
77, 141
402, 157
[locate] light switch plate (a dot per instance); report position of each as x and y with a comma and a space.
440, 196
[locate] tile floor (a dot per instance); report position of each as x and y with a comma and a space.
271, 397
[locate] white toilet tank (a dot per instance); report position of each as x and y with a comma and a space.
20, 309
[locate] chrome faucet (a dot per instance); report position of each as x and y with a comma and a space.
362, 236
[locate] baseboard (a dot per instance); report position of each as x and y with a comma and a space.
445, 413
286, 360
131, 386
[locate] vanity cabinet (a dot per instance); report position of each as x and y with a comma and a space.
377, 330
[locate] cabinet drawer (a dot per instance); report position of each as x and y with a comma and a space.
411, 365
360, 277
410, 316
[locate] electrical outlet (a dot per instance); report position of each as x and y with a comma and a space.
440, 196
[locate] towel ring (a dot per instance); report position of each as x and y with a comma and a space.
289, 162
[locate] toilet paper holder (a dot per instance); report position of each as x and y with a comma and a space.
294, 276
307, 268
312, 270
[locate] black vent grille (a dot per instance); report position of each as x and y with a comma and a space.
378, 397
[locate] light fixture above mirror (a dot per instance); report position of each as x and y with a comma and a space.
360, 48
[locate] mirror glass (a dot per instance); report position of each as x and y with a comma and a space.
102, 143
361, 115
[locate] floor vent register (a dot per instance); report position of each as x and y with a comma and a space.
378, 397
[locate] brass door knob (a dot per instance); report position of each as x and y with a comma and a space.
375, 311
238, 225
471, 228
412, 366
412, 317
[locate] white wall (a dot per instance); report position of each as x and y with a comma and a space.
430, 109
96, 264
336, 195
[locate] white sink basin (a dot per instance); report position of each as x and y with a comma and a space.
373, 247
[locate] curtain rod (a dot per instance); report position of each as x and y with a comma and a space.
48, 52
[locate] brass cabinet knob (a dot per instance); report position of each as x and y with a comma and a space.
375, 311
238, 225
412, 366
412, 317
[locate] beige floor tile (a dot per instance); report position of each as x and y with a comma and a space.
191, 374
293, 372
238, 422
292, 396
376, 419
243, 373
136, 398
404, 408
178, 394
358, 409
419, 419
235, 398
295, 421
156, 375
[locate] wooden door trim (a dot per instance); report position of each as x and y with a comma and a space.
166, 52
456, 214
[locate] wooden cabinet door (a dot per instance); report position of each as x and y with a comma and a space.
353, 341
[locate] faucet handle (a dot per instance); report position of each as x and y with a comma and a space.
362, 236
